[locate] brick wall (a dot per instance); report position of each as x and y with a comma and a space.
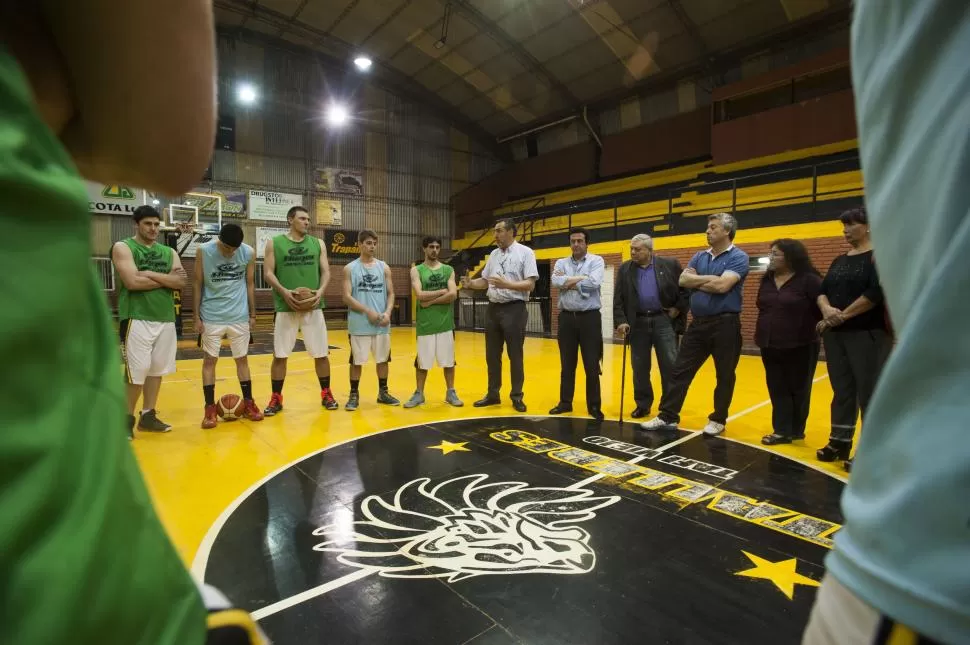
822, 250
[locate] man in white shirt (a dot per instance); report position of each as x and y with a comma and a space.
510, 276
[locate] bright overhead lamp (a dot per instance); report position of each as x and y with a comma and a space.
363, 63
246, 94
337, 115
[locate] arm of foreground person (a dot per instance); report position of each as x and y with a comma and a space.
122, 131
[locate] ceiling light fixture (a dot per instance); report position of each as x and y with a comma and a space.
363, 63
246, 94
337, 115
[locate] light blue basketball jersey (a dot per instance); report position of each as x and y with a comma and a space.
224, 297
905, 545
368, 287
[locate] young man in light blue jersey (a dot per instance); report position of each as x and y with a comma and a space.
225, 305
900, 568
369, 296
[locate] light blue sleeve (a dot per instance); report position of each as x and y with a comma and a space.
559, 280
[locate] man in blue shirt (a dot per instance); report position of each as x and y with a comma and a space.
716, 277
578, 279
900, 568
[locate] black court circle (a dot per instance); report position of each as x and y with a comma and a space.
530, 530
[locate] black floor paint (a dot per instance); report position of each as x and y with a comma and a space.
504, 551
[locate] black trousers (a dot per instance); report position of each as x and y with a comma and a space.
855, 360
580, 331
651, 333
505, 325
718, 337
789, 373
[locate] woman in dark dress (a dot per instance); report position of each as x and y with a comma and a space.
855, 333
786, 333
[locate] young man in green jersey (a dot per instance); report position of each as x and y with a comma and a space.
292, 261
148, 274
436, 290
84, 557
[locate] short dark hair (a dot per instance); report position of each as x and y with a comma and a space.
796, 256
507, 223
365, 235
231, 235
580, 231
431, 239
855, 216
290, 214
145, 211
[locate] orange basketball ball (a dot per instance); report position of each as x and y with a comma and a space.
230, 406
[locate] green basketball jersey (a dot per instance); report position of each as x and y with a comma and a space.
436, 318
157, 305
83, 554
297, 265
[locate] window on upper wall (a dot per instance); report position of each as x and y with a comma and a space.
827, 82
758, 262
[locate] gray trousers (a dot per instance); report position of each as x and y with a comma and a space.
855, 360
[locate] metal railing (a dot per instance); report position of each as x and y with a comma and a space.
678, 200
105, 272
470, 314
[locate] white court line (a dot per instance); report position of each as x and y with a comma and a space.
286, 603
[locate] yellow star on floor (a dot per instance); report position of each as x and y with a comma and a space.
446, 446
782, 573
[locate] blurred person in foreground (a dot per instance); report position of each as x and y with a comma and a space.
900, 568
83, 554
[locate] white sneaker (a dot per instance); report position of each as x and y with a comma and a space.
713, 428
656, 423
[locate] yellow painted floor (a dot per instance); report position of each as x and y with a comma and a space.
194, 474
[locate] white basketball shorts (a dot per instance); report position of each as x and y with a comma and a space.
436, 347
314, 329
213, 334
148, 349
362, 347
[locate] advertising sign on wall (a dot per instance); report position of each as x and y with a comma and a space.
339, 180
328, 212
113, 199
265, 204
342, 243
264, 235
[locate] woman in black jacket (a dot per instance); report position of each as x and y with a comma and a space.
787, 316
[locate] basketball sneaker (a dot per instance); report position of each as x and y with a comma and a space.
250, 411
149, 422
352, 401
451, 398
211, 418
386, 398
713, 428
416, 399
275, 404
327, 400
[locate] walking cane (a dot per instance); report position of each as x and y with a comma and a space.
623, 377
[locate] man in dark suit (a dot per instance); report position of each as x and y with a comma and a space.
650, 307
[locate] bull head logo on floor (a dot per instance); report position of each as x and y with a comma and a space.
465, 527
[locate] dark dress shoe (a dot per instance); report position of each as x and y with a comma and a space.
773, 439
561, 409
519, 405
597, 414
834, 450
639, 413
486, 401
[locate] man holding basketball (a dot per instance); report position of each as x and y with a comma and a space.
434, 285
295, 266
369, 296
148, 273
225, 305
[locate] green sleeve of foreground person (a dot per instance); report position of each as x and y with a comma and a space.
83, 555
